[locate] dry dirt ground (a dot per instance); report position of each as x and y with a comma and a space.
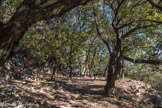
79, 92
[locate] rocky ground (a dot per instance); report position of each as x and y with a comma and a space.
77, 92
32, 90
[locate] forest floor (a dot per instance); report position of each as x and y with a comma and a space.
79, 92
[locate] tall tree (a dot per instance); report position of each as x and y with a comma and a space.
123, 26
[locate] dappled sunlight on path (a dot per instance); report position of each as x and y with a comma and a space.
65, 93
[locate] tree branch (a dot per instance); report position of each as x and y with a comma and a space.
153, 21
116, 11
154, 62
124, 25
138, 27
155, 5
97, 29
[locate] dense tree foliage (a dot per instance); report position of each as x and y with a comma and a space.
104, 37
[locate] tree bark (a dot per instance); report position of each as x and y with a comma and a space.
110, 83
113, 72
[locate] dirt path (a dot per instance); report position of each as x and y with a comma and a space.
79, 92
85, 92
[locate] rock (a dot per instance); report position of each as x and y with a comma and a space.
24, 82
41, 90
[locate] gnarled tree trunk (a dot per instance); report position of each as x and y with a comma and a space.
113, 72
114, 64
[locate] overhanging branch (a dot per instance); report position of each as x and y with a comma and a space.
138, 27
28, 13
154, 62
155, 5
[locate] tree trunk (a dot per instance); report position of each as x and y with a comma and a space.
114, 65
70, 67
122, 70
105, 70
70, 60
113, 72
86, 70
122, 74
53, 73
110, 82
